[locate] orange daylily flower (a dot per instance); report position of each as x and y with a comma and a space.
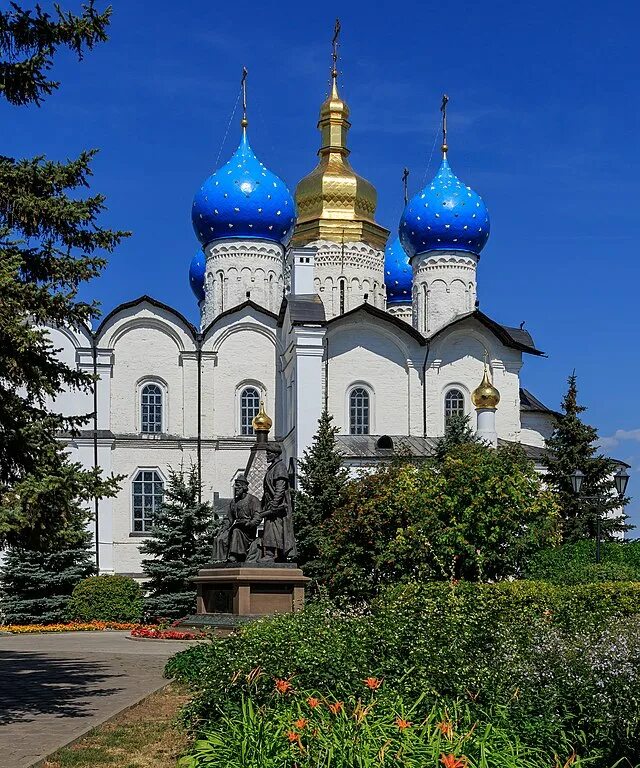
446, 728
373, 683
283, 686
313, 702
451, 761
336, 707
402, 723
301, 723
292, 736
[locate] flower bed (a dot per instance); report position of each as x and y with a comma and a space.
71, 626
157, 633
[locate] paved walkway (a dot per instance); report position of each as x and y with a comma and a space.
53, 688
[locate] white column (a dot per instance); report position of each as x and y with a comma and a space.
308, 350
487, 425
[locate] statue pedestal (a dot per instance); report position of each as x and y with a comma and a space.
230, 594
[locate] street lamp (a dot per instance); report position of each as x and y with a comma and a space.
620, 479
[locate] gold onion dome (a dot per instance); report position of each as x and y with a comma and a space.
261, 422
333, 202
486, 395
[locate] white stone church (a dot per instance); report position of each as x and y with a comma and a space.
303, 306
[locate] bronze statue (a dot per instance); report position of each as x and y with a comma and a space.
278, 542
240, 526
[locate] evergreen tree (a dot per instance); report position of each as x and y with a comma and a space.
48, 557
321, 484
50, 241
457, 432
573, 445
181, 543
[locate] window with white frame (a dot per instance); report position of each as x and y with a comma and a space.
249, 407
453, 405
151, 408
359, 411
147, 490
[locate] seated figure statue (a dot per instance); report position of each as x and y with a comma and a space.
240, 525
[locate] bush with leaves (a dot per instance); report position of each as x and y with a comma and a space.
108, 597
576, 563
553, 660
476, 514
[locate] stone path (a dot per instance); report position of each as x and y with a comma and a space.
53, 688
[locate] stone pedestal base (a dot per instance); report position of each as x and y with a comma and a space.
251, 590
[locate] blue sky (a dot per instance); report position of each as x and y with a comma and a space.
543, 123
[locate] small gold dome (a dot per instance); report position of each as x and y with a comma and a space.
486, 395
261, 422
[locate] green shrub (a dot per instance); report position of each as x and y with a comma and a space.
106, 598
554, 659
575, 563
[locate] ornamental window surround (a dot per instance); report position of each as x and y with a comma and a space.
151, 408
454, 405
359, 411
147, 491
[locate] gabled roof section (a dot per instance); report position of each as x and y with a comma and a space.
516, 338
531, 404
154, 303
380, 314
248, 304
303, 308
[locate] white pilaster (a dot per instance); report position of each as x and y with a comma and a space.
308, 350
487, 425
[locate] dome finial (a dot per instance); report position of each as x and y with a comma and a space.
243, 84
334, 57
485, 395
405, 184
443, 109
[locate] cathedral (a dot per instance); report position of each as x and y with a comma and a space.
306, 303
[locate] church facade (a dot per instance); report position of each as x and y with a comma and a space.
305, 305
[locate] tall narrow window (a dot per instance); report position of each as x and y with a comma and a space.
342, 297
151, 403
453, 404
147, 489
359, 411
249, 407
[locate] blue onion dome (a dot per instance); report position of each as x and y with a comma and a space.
243, 199
398, 274
196, 275
445, 216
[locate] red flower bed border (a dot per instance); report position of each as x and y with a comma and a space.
154, 633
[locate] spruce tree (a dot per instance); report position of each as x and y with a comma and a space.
50, 243
48, 557
572, 446
321, 483
181, 543
457, 432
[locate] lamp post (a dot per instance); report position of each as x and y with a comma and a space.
620, 479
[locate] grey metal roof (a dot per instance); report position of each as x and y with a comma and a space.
303, 308
529, 402
365, 446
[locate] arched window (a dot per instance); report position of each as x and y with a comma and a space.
151, 405
453, 404
147, 490
359, 420
249, 407
342, 302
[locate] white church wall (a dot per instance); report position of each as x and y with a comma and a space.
362, 353
244, 347
536, 428
68, 343
456, 362
146, 348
